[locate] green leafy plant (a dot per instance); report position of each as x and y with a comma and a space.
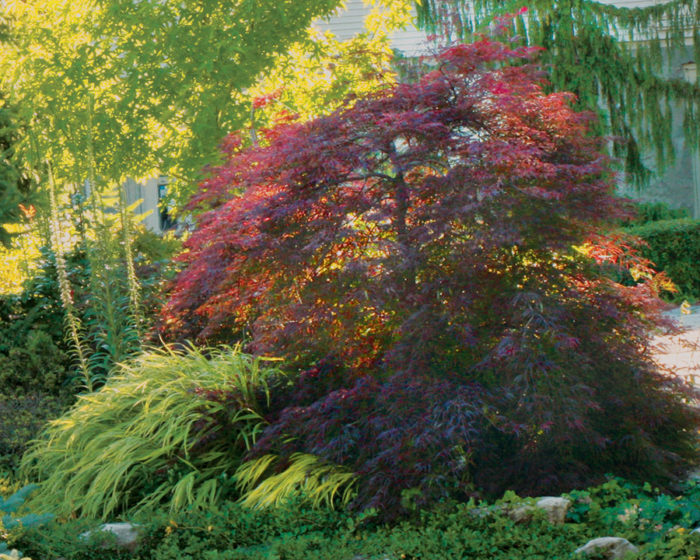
313, 478
163, 428
646, 212
23, 418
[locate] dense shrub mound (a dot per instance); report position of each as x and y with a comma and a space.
423, 254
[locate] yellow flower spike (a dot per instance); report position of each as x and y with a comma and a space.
685, 308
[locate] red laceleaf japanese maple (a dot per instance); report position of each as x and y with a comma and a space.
430, 231
396, 218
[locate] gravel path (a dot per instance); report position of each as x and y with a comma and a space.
681, 353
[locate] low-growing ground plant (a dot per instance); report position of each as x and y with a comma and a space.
163, 429
659, 524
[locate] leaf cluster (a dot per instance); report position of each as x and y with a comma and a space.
147, 87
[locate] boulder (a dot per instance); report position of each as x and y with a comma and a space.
556, 508
126, 535
13, 554
521, 514
611, 548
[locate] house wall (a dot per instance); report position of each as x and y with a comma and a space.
349, 21
148, 210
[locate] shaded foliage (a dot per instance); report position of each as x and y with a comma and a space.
435, 239
407, 433
15, 184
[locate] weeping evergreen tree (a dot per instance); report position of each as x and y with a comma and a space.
612, 58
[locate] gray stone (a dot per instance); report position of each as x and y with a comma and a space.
126, 535
556, 508
696, 530
521, 514
612, 548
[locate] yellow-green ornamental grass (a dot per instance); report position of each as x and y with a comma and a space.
129, 446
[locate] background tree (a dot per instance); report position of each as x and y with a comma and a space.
415, 253
317, 74
615, 59
15, 183
111, 89
142, 87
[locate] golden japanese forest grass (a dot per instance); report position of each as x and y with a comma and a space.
152, 435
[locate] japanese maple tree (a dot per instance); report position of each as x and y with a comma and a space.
436, 233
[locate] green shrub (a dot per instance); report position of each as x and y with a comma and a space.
654, 212
164, 428
23, 417
33, 354
674, 247
36, 365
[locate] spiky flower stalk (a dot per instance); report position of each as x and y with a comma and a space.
133, 283
72, 321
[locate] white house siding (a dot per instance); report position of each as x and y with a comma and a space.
148, 195
350, 21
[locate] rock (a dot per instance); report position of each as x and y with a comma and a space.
127, 535
555, 507
521, 514
696, 530
610, 547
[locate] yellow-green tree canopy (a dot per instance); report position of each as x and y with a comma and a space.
128, 87
611, 57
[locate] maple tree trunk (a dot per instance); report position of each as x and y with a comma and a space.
407, 251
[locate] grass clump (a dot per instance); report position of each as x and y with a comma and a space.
165, 428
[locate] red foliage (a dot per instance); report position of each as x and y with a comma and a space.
401, 209
429, 231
